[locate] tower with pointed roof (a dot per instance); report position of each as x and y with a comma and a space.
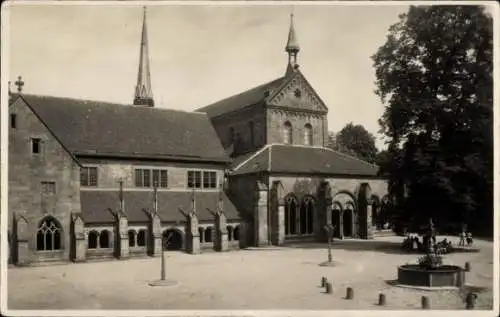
292, 48
143, 92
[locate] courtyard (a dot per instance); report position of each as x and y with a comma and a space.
269, 278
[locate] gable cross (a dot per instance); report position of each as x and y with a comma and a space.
19, 83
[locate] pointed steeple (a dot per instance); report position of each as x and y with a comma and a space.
143, 92
292, 47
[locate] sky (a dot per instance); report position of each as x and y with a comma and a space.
200, 54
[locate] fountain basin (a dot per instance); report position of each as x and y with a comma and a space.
442, 276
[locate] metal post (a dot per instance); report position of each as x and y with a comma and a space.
163, 260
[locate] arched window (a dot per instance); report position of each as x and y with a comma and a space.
308, 134
93, 239
208, 234
287, 133
229, 233
104, 239
252, 136
141, 238
131, 238
48, 236
200, 232
306, 216
236, 233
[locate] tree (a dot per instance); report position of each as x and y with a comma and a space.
434, 74
355, 140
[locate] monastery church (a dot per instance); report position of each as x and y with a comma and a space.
90, 180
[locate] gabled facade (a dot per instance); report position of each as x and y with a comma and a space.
277, 134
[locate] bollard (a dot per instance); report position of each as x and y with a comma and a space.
381, 299
328, 287
425, 302
349, 293
467, 267
470, 301
323, 281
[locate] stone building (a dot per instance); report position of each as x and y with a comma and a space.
277, 134
93, 179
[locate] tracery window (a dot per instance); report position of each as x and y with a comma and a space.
48, 236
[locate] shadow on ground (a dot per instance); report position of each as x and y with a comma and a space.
389, 247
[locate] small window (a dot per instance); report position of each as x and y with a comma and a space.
194, 179
160, 177
13, 121
49, 188
142, 178
163, 179
88, 176
297, 93
36, 146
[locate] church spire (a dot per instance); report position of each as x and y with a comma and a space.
292, 47
143, 92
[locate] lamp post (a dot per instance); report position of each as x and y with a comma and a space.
163, 279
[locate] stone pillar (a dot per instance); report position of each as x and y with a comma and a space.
78, 237
369, 209
122, 245
156, 237
23, 253
221, 243
277, 214
261, 215
243, 231
192, 236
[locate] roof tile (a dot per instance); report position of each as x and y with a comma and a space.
95, 205
101, 128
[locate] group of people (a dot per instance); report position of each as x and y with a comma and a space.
412, 243
465, 237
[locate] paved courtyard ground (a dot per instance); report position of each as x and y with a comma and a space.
283, 278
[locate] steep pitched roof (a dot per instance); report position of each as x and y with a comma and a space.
95, 205
244, 99
280, 158
101, 128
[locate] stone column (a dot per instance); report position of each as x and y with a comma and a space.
243, 243
192, 236
323, 211
369, 227
278, 214
260, 215
23, 253
79, 248
122, 247
155, 235
221, 243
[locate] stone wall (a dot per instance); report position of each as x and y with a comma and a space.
276, 119
27, 171
110, 171
240, 122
